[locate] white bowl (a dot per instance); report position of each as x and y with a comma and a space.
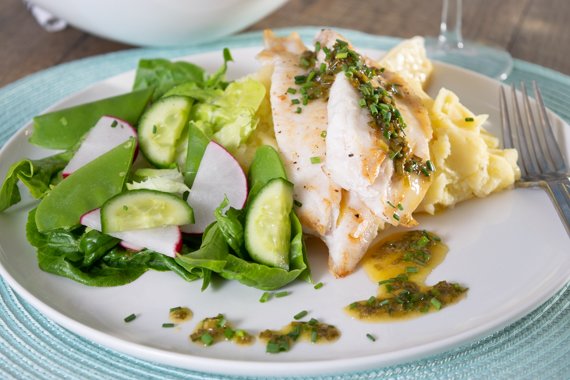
160, 22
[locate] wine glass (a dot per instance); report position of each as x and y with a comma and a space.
450, 47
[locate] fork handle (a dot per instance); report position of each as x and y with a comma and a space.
559, 190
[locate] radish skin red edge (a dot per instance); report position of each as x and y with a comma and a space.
105, 135
219, 175
166, 240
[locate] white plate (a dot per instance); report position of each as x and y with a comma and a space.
510, 249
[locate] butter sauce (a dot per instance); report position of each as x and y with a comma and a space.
400, 264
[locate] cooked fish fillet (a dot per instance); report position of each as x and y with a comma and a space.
357, 155
340, 219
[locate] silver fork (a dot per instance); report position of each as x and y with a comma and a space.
541, 161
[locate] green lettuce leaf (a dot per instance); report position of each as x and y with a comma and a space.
36, 175
230, 118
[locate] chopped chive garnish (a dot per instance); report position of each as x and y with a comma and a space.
114, 124
130, 318
341, 55
295, 101
324, 134
469, 119
317, 46
314, 336
385, 281
319, 285
298, 110
265, 297
371, 337
168, 325
430, 166
400, 207
315, 160
391, 204
125, 207
176, 308
412, 269
297, 203
229, 333
154, 129
282, 294
396, 216
435, 303
291, 90
207, 339
323, 67
300, 315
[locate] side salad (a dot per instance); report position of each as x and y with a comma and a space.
148, 180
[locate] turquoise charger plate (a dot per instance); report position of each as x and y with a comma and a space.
33, 347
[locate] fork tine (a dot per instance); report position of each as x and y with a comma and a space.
505, 119
530, 136
547, 139
520, 143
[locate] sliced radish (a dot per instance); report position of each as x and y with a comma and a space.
219, 175
165, 240
130, 246
104, 136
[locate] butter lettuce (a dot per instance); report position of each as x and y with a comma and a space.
230, 117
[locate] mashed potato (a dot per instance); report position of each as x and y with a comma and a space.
467, 158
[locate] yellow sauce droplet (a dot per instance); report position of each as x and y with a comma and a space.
180, 315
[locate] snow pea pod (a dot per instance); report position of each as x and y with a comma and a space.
64, 128
197, 143
86, 189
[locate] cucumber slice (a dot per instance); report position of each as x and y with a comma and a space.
268, 224
138, 209
160, 128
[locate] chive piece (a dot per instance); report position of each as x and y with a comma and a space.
265, 297
282, 294
315, 160
154, 129
469, 119
297, 203
176, 308
229, 333
430, 166
396, 216
125, 207
317, 46
114, 124
324, 134
371, 337
300, 315
323, 67
168, 325
400, 207
314, 336
362, 103
391, 204
412, 269
298, 110
295, 101
313, 322
319, 285
291, 90
341, 55
385, 281
207, 339
435, 303
130, 318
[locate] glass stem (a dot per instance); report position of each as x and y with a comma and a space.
450, 28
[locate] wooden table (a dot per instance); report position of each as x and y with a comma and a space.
533, 30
